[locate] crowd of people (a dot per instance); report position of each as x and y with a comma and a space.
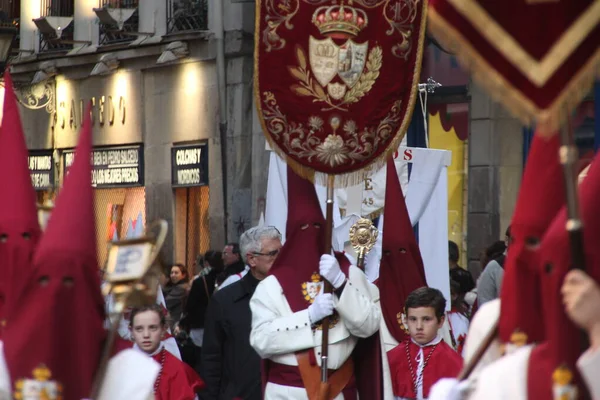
227, 325
212, 316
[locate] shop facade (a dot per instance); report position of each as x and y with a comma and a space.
156, 149
190, 181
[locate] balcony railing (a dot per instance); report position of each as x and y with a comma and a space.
112, 33
57, 8
51, 43
119, 3
187, 15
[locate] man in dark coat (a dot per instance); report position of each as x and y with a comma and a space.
235, 268
230, 366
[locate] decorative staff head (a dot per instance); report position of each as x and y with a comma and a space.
363, 236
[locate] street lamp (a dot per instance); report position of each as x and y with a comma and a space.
7, 39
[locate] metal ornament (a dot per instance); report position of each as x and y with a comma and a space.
131, 274
363, 236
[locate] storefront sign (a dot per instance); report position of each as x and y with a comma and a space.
41, 169
189, 165
121, 166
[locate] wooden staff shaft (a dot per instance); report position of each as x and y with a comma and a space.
106, 353
568, 158
328, 289
485, 344
360, 261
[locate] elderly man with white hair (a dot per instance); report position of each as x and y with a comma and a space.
230, 366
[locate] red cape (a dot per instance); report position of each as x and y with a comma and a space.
177, 381
443, 363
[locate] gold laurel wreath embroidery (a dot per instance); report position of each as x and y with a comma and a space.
367, 79
309, 87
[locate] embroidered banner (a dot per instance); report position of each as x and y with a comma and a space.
336, 81
539, 58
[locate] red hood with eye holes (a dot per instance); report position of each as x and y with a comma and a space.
57, 325
298, 260
401, 269
19, 228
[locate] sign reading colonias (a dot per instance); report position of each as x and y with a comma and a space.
41, 169
120, 166
189, 165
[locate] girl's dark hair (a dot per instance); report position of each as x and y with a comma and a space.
453, 253
153, 307
495, 250
214, 259
427, 297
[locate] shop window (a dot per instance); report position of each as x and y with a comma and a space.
449, 130
191, 225
120, 213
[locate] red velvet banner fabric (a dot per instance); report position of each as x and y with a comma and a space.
539, 58
336, 81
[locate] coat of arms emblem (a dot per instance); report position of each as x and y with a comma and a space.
312, 289
401, 317
40, 387
345, 61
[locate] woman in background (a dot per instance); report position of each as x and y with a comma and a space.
175, 292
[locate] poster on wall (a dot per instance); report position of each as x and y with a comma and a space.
41, 169
121, 166
189, 165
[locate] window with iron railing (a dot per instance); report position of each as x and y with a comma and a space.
187, 15
119, 3
112, 33
52, 42
57, 8
10, 10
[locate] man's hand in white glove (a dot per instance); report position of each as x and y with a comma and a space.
449, 389
329, 269
322, 307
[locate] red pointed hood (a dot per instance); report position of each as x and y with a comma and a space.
59, 319
541, 197
18, 211
401, 270
297, 266
20, 206
69, 225
563, 344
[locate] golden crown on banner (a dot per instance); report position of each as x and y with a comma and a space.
340, 21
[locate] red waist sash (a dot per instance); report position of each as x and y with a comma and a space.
289, 375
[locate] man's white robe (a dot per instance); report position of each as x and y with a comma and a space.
277, 332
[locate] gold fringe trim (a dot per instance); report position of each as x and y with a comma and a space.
548, 120
355, 177
538, 72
